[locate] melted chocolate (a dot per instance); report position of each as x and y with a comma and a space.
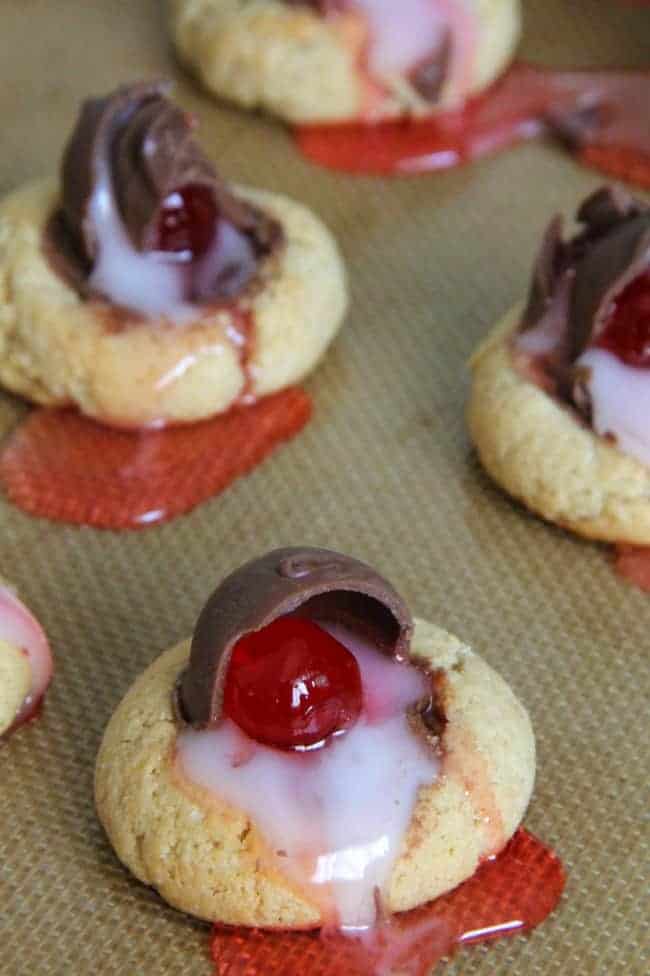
429, 76
312, 582
145, 144
575, 281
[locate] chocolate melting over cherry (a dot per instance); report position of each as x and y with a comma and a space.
313, 584
167, 193
577, 283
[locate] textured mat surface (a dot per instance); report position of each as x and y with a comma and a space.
384, 471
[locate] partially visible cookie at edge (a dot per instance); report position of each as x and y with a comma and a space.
304, 61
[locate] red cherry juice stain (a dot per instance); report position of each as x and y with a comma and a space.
517, 107
508, 894
633, 564
62, 466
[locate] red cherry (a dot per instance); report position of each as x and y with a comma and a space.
627, 333
188, 219
292, 685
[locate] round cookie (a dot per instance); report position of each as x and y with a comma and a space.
209, 860
15, 682
541, 452
303, 67
560, 389
59, 348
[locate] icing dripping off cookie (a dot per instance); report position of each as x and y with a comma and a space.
60, 465
602, 115
307, 804
508, 895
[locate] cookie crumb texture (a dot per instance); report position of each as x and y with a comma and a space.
58, 349
210, 861
539, 451
290, 62
15, 682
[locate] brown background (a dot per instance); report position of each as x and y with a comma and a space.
384, 472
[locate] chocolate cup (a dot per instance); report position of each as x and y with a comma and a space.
315, 583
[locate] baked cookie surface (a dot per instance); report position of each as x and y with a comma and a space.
211, 861
541, 452
59, 348
293, 62
15, 681
560, 389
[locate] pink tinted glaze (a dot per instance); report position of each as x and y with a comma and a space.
381, 38
20, 628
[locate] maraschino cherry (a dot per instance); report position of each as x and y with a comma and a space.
627, 333
292, 686
187, 221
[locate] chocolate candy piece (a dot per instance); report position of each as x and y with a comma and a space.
616, 249
142, 144
429, 76
314, 583
576, 280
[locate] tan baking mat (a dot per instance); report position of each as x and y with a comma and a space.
384, 472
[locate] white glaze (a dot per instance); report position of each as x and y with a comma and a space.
155, 283
620, 399
544, 339
403, 34
20, 628
338, 814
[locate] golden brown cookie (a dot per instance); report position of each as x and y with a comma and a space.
541, 452
304, 67
557, 408
59, 348
211, 861
15, 681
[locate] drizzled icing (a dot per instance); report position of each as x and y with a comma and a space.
431, 42
335, 818
403, 36
145, 220
156, 283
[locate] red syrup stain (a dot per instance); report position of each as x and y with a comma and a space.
60, 465
526, 102
508, 894
633, 564
241, 334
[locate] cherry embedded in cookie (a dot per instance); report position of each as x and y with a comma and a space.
188, 221
292, 685
627, 332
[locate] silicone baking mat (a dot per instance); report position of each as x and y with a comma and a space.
384, 472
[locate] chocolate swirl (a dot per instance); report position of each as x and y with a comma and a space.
143, 144
314, 583
576, 281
